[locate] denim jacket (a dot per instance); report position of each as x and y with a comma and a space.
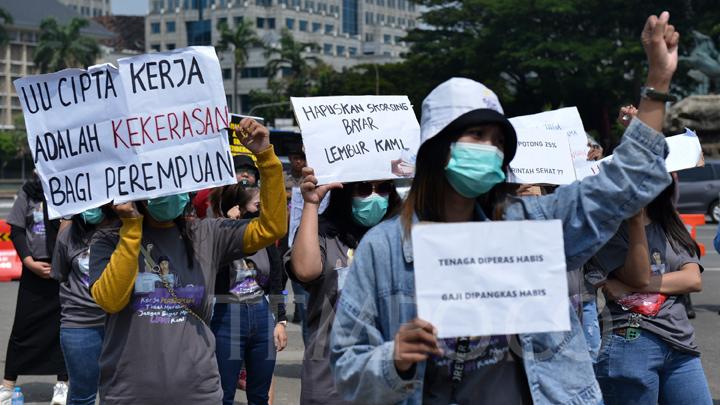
379, 293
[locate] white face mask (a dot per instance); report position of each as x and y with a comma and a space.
38, 216
84, 263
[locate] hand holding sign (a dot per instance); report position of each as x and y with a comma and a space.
254, 135
414, 341
127, 210
311, 192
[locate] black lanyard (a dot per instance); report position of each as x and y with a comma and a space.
458, 366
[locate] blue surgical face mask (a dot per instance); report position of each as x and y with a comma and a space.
93, 216
369, 211
474, 168
167, 208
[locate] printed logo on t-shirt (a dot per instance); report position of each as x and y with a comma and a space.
656, 265
343, 270
38, 225
245, 280
152, 299
84, 266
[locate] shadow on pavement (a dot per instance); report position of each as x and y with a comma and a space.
37, 391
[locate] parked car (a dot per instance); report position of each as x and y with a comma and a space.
699, 190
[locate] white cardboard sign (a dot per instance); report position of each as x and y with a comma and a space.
549, 145
358, 138
685, 151
154, 126
514, 282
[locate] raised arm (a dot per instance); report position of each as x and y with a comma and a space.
113, 288
592, 210
306, 258
272, 223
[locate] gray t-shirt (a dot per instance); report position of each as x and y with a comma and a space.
154, 351
248, 276
491, 374
671, 323
28, 214
318, 385
71, 267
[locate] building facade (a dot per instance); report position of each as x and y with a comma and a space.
348, 32
90, 8
16, 57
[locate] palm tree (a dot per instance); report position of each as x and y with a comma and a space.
241, 40
292, 55
7, 19
63, 46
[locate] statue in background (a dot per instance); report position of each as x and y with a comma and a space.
705, 61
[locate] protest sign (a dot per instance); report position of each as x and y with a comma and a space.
236, 147
685, 151
514, 282
549, 144
153, 126
296, 208
358, 138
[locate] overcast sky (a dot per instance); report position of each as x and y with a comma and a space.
130, 7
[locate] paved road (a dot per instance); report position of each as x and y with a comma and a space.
707, 326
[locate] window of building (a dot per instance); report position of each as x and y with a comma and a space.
155, 27
170, 26
352, 51
221, 21
369, 18
398, 40
290, 23
391, 3
303, 25
380, 3
327, 49
329, 28
387, 39
264, 3
340, 50
350, 16
260, 23
322, 7
227, 74
253, 72
387, 54
381, 18
310, 5
296, 3
271, 23
155, 48
237, 20
369, 37
316, 27
170, 47
285, 2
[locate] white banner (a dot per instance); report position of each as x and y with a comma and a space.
154, 126
358, 138
514, 282
549, 145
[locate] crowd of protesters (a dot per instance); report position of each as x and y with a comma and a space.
173, 299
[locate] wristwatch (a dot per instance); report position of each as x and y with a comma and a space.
652, 94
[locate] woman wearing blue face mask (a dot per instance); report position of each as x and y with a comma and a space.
319, 258
82, 321
381, 353
156, 279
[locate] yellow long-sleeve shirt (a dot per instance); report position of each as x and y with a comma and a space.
113, 289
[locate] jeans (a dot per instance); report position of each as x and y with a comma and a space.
244, 335
81, 348
648, 371
591, 328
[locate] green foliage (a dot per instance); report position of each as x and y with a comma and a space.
241, 40
63, 46
6, 19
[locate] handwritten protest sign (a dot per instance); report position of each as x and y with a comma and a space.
358, 138
153, 126
514, 282
685, 151
549, 144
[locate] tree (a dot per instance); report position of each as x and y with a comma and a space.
63, 46
241, 40
292, 60
540, 54
7, 19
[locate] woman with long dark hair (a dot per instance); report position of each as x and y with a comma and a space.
34, 344
382, 353
249, 318
319, 258
649, 354
82, 321
156, 281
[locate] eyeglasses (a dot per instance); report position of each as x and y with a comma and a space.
365, 189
